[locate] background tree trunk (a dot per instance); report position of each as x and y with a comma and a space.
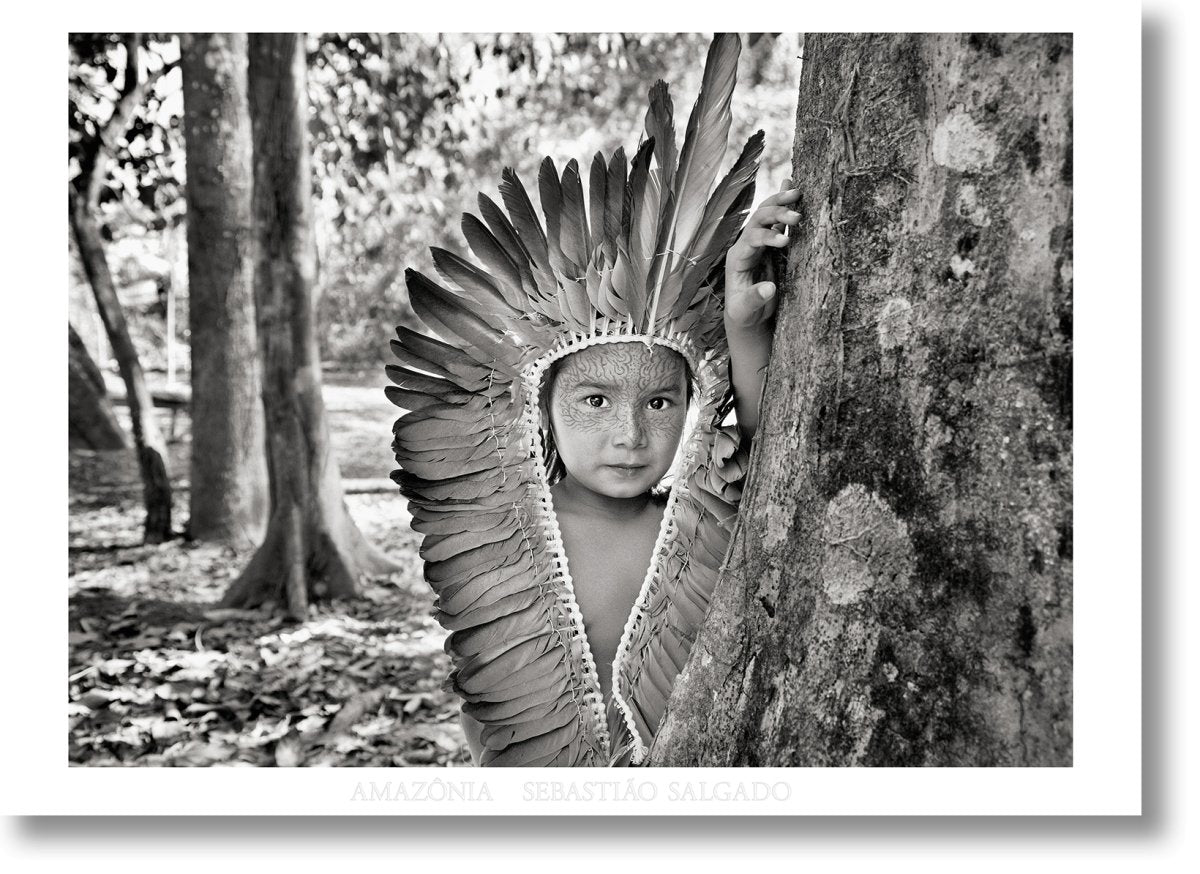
92, 423
83, 196
229, 494
898, 589
312, 549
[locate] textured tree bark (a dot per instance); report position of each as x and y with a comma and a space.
91, 421
229, 495
151, 448
313, 550
898, 589
82, 199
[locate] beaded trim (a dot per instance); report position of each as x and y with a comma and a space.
533, 375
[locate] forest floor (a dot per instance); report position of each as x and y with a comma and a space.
160, 675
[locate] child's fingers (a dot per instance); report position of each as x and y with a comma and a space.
760, 237
783, 214
782, 198
744, 253
765, 228
765, 216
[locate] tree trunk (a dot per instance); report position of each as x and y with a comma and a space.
898, 588
313, 549
83, 197
151, 449
91, 421
229, 494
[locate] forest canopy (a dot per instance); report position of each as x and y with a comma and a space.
406, 129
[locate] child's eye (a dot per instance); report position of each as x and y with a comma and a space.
596, 401
659, 403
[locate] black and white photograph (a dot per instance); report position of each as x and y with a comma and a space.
571, 399
484, 417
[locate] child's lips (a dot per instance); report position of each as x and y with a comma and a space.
627, 469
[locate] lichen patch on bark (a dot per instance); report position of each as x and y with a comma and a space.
866, 546
961, 144
895, 323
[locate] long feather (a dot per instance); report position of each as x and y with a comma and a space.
459, 595
660, 126
609, 300
740, 175
506, 235
524, 218
707, 136
573, 234
550, 192
446, 390
410, 359
597, 198
436, 308
640, 248
478, 284
614, 202
710, 259
467, 372
495, 258
624, 286
703, 147
723, 217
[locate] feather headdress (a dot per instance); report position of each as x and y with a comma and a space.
638, 259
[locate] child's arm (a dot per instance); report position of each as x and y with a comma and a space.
749, 305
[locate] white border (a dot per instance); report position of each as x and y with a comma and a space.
1105, 778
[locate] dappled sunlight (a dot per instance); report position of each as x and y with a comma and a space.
159, 674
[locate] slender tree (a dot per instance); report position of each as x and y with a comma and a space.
91, 420
898, 589
313, 549
229, 491
83, 206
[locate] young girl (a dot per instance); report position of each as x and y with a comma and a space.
567, 463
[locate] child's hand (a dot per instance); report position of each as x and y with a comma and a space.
749, 303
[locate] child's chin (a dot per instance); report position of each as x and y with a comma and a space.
621, 486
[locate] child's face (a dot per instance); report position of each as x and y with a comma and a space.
617, 411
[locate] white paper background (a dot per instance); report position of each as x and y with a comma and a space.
1108, 564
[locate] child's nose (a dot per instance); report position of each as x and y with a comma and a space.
631, 429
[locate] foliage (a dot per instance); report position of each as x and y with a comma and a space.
158, 675
406, 128
169, 681
145, 175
